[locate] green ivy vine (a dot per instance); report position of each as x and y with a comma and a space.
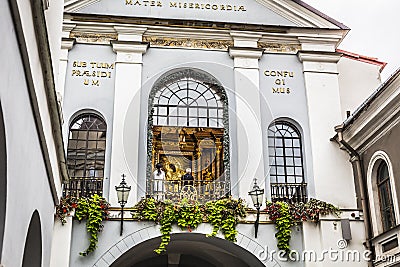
190, 215
223, 214
169, 216
286, 215
93, 209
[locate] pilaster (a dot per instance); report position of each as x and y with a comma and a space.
66, 45
332, 174
248, 113
128, 81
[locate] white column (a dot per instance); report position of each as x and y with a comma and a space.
332, 175
128, 80
332, 179
66, 45
249, 132
61, 243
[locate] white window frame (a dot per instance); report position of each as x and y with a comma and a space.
374, 201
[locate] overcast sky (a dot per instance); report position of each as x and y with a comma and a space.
375, 30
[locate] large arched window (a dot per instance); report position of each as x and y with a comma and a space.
286, 163
188, 102
385, 197
86, 155
188, 129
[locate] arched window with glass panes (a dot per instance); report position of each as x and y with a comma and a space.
86, 155
188, 128
286, 163
385, 197
188, 103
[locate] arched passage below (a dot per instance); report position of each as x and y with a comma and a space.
184, 250
33, 244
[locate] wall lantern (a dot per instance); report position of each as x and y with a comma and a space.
122, 193
257, 196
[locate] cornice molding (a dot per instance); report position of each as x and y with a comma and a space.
297, 14
319, 56
129, 46
86, 30
245, 52
377, 119
67, 43
130, 32
76, 5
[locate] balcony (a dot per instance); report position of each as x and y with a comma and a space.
83, 187
201, 191
291, 193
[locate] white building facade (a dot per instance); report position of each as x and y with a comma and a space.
208, 86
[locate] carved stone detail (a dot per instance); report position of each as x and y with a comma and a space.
188, 43
100, 38
279, 48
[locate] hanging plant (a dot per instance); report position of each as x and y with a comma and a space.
223, 214
148, 209
94, 209
65, 208
279, 214
169, 216
286, 215
189, 215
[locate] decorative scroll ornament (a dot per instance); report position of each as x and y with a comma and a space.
188, 43
99, 38
279, 48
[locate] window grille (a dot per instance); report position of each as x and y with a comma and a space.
286, 163
86, 156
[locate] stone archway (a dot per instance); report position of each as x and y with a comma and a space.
33, 243
136, 250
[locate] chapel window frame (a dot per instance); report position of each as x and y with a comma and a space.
286, 161
202, 77
384, 187
86, 150
197, 100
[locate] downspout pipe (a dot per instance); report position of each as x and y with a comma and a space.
355, 157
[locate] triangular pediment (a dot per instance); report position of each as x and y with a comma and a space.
288, 13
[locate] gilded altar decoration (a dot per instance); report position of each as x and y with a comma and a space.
188, 43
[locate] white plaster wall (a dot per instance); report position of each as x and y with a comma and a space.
256, 12
333, 176
27, 186
291, 107
79, 97
357, 81
37, 74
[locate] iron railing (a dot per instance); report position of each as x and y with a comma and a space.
201, 191
291, 193
83, 187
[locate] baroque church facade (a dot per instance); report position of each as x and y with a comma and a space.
231, 91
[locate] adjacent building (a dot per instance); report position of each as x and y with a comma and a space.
370, 137
32, 152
